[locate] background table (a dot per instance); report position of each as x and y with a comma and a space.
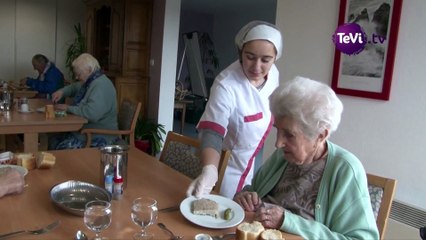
146, 176
33, 123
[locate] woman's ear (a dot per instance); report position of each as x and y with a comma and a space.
323, 135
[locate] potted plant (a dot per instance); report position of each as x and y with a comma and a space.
149, 136
77, 47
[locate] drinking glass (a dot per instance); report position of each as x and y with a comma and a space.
144, 213
97, 216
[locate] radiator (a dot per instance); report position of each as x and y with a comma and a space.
405, 221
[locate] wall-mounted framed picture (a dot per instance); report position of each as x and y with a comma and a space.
368, 72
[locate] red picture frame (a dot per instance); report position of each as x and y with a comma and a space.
363, 74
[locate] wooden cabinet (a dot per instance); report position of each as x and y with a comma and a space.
137, 36
118, 34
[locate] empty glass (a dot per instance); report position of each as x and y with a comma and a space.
144, 213
97, 216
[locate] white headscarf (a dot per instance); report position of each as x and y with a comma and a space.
259, 30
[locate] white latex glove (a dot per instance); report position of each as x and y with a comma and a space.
204, 183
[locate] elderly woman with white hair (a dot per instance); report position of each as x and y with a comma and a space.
94, 98
310, 186
237, 115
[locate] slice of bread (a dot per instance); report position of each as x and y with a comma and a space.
27, 160
205, 207
249, 231
271, 234
45, 160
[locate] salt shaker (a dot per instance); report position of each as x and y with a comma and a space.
118, 188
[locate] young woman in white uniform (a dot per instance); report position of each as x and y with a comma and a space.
237, 115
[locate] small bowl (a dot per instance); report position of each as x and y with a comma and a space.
72, 196
60, 113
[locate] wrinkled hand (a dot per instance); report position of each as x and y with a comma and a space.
249, 201
56, 96
11, 182
23, 82
204, 183
271, 216
61, 107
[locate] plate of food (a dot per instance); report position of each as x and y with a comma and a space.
20, 169
212, 211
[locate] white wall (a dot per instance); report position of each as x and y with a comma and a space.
164, 44
387, 136
28, 27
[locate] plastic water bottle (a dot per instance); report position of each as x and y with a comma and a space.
109, 183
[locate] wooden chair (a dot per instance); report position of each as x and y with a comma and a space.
381, 194
182, 153
127, 117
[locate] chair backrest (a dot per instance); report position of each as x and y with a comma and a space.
182, 153
127, 117
381, 191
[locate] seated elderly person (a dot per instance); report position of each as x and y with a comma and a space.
49, 80
11, 182
94, 98
310, 186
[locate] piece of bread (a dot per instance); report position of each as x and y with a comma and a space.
45, 160
271, 234
205, 207
27, 160
249, 231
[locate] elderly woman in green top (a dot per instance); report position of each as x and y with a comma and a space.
310, 186
94, 98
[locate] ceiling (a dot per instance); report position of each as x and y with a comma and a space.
211, 6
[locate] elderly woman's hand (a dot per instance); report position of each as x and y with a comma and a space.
271, 216
61, 107
250, 201
11, 182
56, 96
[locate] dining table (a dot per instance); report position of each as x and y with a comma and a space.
34, 122
146, 176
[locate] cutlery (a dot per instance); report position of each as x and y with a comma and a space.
80, 235
34, 232
169, 209
172, 235
225, 236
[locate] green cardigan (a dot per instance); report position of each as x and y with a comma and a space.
98, 106
342, 208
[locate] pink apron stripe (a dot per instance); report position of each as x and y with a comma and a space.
212, 126
250, 164
254, 117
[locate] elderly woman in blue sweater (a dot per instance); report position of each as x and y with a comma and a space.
310, 186
94, 98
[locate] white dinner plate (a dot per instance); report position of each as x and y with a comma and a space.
20, 169
209, 221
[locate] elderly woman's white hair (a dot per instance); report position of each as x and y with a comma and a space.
312, 104
87, 61
259, 30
